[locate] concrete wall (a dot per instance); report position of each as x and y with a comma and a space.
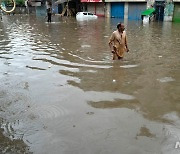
126, 10
108, 10
168, 10
41, 10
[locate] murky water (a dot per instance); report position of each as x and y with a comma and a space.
61, 93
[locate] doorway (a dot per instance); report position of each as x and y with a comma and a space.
159, 10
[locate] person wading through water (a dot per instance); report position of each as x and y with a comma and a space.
118, 42
49, 10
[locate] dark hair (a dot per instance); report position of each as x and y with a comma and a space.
118, 25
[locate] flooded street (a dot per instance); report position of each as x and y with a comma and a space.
61, 93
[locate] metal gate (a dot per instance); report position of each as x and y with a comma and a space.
176, 16
96, 8
135, 9
117, 10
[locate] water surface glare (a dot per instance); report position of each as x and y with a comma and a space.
61, 93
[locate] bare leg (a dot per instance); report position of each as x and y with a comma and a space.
114, 56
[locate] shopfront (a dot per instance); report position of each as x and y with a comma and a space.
94, 6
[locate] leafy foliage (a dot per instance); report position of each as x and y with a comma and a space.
10, 2
20, 2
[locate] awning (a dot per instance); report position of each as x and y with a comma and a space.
148, 12
61, 1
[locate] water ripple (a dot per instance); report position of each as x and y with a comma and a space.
107, 96
10, 129
86, 59
49, 111
70, 64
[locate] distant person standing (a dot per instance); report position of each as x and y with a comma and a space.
118, 42
49, 10
27, 4
0, 14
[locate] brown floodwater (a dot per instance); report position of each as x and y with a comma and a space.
61, 93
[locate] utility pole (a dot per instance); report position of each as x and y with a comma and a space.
67, 8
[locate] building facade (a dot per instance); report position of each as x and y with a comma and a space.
176, 12
166, 10
95, 6
125, 9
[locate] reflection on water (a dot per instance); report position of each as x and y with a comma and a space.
145, 132
59, 84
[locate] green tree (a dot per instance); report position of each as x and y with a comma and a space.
20, 2
7, 3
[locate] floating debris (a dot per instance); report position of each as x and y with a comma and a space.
86, 46
128, 66
35, 68
90, 113
50, 66
166, 79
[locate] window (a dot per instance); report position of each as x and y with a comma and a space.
90, 14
